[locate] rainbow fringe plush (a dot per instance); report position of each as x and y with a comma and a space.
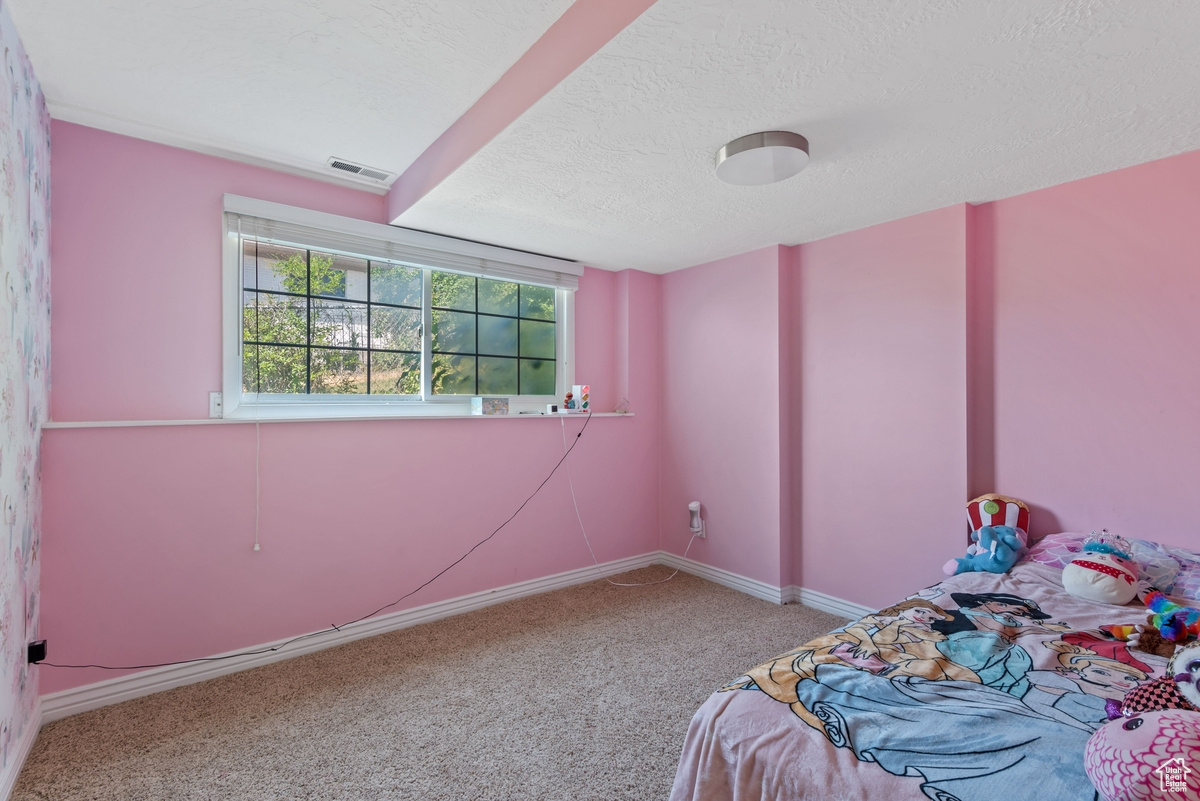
1121, 632
1174, 622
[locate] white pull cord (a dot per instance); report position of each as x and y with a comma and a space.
583, 528
257, 436
257, 477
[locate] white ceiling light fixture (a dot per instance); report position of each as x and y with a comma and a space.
762, 158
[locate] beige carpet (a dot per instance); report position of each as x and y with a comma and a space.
582, 693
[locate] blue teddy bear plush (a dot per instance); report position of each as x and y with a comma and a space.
995, 550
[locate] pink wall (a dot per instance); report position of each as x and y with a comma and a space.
832, 405
1097, 332
721, 412
790, 416
148, 530
981, 351
881, 443
137, 285
1075, 310
599, 353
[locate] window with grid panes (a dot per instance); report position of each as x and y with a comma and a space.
325, 323
491, 337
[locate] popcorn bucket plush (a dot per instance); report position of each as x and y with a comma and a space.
997, 510
998, 527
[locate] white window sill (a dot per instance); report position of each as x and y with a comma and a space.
440, 415
369, 407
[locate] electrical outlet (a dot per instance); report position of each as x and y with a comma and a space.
216, 407
37, 651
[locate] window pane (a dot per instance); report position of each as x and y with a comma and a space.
453, 375
282, 318
497, 376
249, 264
282, 269
337, 276
281, 369
249, 316
317, 319
498, 297
537, 339
393, 283
339, 371
395, 329
395, 373
249, 368
537, 377
453, 332
497, 336
453, 291
336, 324
537, 302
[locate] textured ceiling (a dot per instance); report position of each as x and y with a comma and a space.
908, 107
286, 81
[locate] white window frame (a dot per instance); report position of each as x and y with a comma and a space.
331, 232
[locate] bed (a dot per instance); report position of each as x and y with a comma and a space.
983, 687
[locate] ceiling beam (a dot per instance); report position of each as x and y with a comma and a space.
575, 37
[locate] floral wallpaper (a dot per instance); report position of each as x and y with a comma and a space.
24, 373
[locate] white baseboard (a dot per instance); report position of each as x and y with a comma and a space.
768, 592
726, 578
828, 603
64, 703
61, 704
8, 777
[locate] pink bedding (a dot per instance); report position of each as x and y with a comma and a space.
981, 688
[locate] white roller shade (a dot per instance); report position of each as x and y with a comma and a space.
313, 229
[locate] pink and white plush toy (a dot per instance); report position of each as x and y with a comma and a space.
1151, 750
1154, 755
1103, 571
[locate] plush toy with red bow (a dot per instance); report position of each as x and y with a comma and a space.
1103, 571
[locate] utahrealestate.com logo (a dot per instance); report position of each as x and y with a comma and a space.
1172, 775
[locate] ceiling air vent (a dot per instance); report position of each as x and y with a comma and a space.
359, 169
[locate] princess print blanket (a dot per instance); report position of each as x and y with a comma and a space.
977, 688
